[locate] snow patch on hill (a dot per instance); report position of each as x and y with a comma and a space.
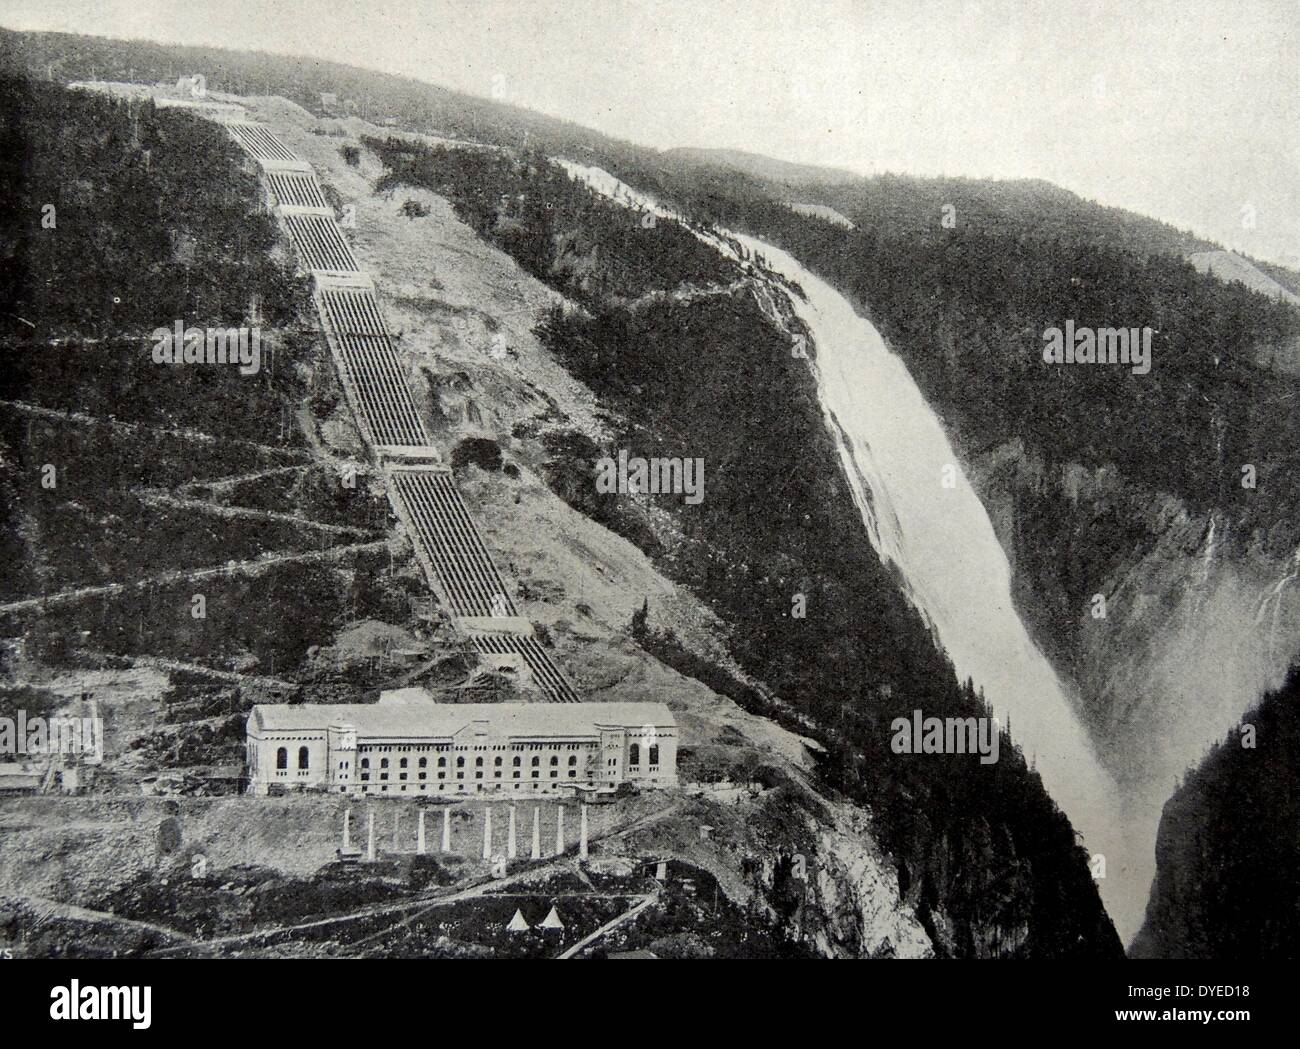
823, 212
1229, 266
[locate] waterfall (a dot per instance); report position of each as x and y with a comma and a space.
920, 513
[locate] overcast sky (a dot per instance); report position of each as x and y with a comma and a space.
1187, 111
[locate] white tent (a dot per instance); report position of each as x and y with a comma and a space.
517, 923
552, 921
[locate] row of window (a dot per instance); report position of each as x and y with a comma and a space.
460, 762
365, 776
460, 787
304, 759
389, 748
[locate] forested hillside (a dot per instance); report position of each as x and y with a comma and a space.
976, 350
73, 165
551, 225
119, 218
1228, 854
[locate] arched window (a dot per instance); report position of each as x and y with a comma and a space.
654, 754
402, 763
365, 763
554, 760
424, 763
282, 758
634, 754
302, 757
516, 762
460, 763
573, 760
442, 763
383, 763
478, 763
536, 761
497, 763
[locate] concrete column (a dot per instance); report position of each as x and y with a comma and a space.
582, 834
370, 837
559, 830
511, 844
446, 830
487, 833
347, 829
419, 834
537, 833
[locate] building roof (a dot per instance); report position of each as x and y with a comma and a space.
405, 713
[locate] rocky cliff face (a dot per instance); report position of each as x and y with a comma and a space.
843, 898
1192, 616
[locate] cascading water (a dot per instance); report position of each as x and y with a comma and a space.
921, 513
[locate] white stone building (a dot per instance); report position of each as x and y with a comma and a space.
406, 744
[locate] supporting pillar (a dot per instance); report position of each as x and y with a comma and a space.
511, 844
559, 830
446, 830
487, 832
370, 837
582, 834
419, 835
347, 829
537, 833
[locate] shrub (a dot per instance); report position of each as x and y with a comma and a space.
482, 452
